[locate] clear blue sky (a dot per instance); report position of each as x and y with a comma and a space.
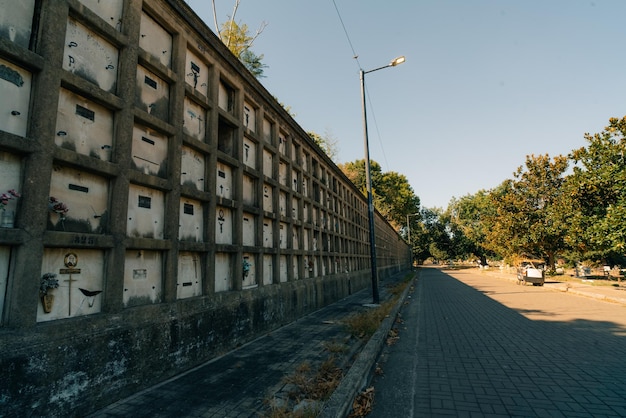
485, 82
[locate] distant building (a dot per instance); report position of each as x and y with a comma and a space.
174, 206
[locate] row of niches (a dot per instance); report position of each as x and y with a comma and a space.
90, 56
87, 54
87, 127
79, 200
73, 279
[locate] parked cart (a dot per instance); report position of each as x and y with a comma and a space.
531, 271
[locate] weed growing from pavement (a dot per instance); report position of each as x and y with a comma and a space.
365, 324
309, 386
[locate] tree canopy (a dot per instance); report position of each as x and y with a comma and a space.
237, 38
392, 194
527, 218
597, 194
547, 210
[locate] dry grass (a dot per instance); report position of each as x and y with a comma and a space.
365, 324
335, 347
309, 386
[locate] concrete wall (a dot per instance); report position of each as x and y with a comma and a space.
180, 207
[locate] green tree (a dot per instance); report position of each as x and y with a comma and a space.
527, 217
397, 198
467, 217
596, 195
239, 41
438, 239
392, 194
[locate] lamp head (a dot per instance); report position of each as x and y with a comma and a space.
397, 61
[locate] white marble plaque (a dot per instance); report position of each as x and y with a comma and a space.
155, 40
249, 153
283, 235
268, 129
16, 21
5, 253
249, 116
268, 163
189, 282
248, 229
223, 272
249, 271
110, 11
249, 191
196, 72
194, 121
154, 94
224, 226
268, 233
90, 56
84, 126
268, 198
284, 275
143, 277
15, 83
191, 225
149, 151
282, 173
193, 165
146, 212
224, 181
85, 197
268, 269
79, 273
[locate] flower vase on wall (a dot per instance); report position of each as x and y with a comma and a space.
7, 218
47, 300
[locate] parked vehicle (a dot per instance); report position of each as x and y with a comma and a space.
531, 271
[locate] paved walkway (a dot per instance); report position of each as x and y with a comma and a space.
239, 383
463, 352
460, 353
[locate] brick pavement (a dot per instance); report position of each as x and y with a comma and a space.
463, 353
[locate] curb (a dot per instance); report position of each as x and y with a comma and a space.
563, 287
340, 402
585, 293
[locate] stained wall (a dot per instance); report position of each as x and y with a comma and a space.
181, 210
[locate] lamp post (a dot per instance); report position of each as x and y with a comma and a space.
368, 180
409, 225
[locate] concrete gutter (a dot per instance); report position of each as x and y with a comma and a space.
340, 403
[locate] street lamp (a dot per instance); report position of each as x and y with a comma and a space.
409, 226
368, 179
